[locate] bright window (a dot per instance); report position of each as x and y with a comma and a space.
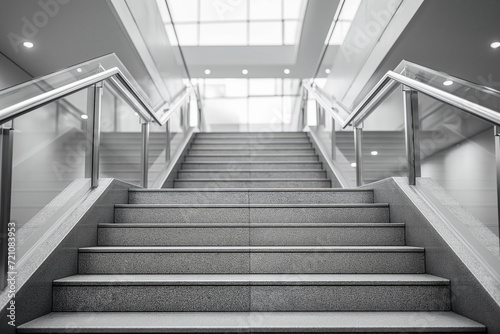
237, 22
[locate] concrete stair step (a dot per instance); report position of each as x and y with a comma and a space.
250, 157
258, 174
225, 151
255, 234
251, 213
252, 183
250, 196
233, 146
249, 141
252, 259
247, 293
243, 165
251, 134
252, 322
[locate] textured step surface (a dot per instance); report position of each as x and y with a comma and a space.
255, 174
240, 293
252, 213
252, 183
252, 259
243, 165
284, 150
250, 196
251, 157
271, 234
252, 322
279, 146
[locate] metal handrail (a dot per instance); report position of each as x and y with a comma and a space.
334, 110
391, 79
23, 107
179, 102
384, 87
411, 89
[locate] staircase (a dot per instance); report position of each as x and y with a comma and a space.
252, 160
238, 250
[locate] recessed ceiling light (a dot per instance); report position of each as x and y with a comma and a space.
327, 71
84, 116
374, 152
495, 45
79, 70
29, 45
353, 164
448, 83
207, 71
244, 71
287, 71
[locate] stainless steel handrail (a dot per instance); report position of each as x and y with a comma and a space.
179, 102
40, 100
392, 79
411, 89
334, 110
385, 85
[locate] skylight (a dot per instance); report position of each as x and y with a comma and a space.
235, 22
342, 22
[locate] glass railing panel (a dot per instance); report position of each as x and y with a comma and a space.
30, 89
482, 92
121, 139
322, 125
178, 126
49, 152
383, 141
458, 152
157, 156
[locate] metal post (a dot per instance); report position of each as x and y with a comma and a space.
358, 147
334, 141
318, 115
5, 198
181, 116
94, 133
304, 108
144, 154
188, 114
115, 116
412, 129
167, 147
497, 155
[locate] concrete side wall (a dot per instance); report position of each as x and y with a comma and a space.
425, 229
34, 298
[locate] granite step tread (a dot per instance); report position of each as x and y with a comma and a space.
252, 279
252, 249
251, 180
199, 206
196, 190
254, 155
246, 322
248, 225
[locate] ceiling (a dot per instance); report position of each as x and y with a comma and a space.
449, 35
268, 61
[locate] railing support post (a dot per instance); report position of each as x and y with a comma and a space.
358, 148
497, 156
318, 115
6, 148
145, 154
304, 108
94, 133
334, 141
167, 147
412, 129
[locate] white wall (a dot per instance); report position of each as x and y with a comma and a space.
10, 73
467, 171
